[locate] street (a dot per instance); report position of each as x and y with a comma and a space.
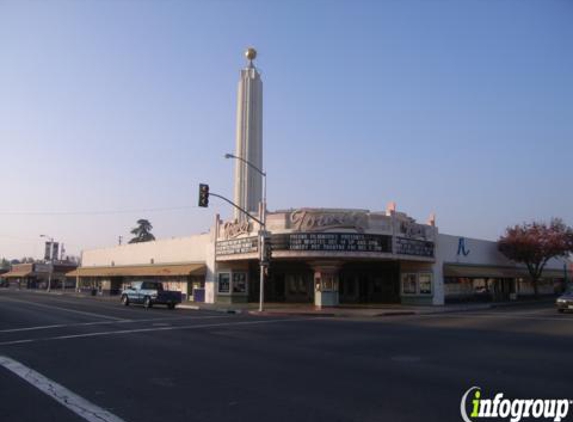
160, 365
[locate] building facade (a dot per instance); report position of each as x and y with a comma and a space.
180, 263
325, 257
322, 257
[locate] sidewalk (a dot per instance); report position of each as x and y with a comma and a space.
355, 311
342, 311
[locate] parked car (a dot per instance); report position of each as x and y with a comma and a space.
4, 282
565, 302
150, 293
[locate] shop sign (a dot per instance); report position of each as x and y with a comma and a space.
48, 251
462, 247
233, 229
414, 247
55, 251
333, 242
414, 230
307, 220
237, 246
41, 268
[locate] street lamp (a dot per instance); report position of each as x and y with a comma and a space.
262, 230
51, 239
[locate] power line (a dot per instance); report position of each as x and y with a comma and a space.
20, 239
101, 212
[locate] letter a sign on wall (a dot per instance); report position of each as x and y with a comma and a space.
462, 247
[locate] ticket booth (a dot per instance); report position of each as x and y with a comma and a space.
326, 283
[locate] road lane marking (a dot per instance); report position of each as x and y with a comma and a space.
41, 327
75, 311
74, 300
147, 330
498, 316
88, 324
80, 406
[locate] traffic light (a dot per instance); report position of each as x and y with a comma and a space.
203, 195
268, 249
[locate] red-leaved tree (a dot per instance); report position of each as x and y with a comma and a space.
533, 244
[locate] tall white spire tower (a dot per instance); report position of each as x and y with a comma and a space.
249, 145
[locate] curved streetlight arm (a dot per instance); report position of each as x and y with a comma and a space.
236, 206
251, 165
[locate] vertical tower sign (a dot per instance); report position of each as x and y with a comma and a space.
249, 142
48, 251
55, 251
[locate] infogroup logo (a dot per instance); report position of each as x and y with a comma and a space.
513, 409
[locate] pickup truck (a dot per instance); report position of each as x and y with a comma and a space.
149, 293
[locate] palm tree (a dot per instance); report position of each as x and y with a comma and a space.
142, 232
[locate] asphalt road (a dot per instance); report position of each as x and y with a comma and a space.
160, 365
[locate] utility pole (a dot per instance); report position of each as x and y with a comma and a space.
264, 257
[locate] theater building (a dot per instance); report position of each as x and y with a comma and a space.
328, 257
325, 257
320, 256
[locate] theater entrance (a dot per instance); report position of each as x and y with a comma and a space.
370, 283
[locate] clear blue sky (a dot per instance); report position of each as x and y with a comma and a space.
463, 108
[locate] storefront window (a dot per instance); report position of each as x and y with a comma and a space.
425, 283
291, 283
327, 284
224, 283
239, 282
409, 284
301, 285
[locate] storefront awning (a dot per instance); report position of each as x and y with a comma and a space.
476, 271
139, 271
554, 273
17, 274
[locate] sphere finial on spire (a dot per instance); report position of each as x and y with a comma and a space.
251, 54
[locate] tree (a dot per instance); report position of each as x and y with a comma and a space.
4, 263
142, 232
533, 244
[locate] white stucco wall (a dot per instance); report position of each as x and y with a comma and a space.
481, 252
181, 249
211, 273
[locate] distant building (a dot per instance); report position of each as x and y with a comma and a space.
36, 275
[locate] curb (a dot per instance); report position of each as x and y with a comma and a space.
398, 313
331, 314
201, 308
445, 309
528, 303
287, 314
